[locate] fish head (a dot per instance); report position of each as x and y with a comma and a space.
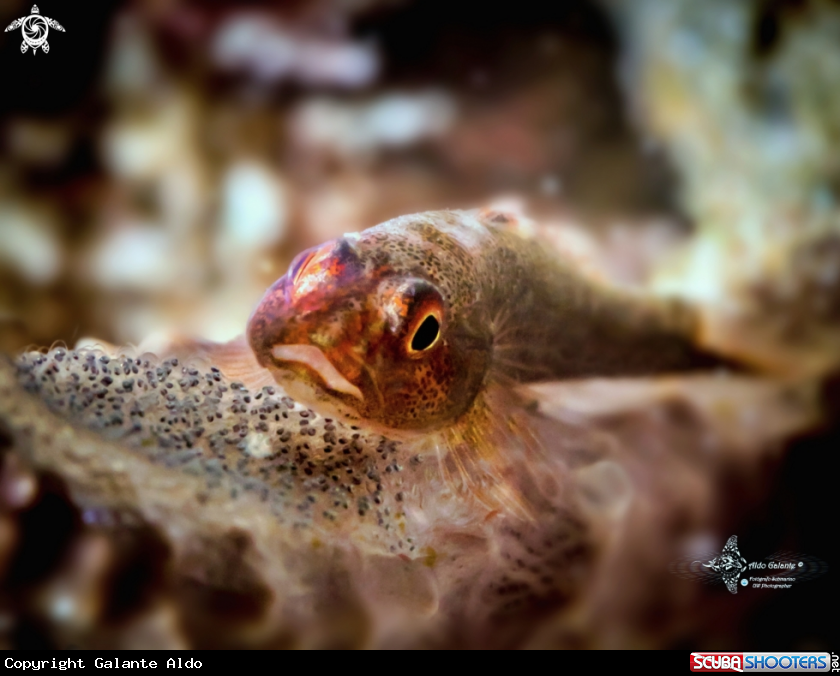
358, 329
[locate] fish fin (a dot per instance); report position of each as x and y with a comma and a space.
234, 359
498, 454
602, 447
654, 445
519, 463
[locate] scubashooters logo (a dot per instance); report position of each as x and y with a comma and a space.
778, 571
35, 29
764, 662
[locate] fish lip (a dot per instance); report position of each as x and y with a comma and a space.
314, 358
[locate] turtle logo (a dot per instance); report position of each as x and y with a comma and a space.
35, 28
729, 564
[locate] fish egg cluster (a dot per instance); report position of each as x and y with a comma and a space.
311, 471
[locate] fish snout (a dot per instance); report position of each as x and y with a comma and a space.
286, 343
272, 321
312, 318
303, 306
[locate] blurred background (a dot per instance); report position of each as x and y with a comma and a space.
165, 161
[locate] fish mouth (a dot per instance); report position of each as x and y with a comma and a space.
313, 358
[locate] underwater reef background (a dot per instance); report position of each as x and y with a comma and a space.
163, 164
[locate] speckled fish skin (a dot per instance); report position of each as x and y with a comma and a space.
509, 311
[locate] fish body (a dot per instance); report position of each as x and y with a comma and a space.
433, 328
404, 325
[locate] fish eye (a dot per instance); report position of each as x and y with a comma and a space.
425, 335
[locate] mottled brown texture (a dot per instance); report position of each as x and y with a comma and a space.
510, 310
273, 520
160, 544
